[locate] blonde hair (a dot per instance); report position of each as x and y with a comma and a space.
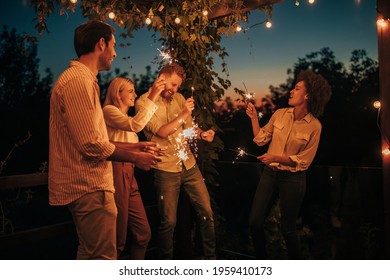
116, 86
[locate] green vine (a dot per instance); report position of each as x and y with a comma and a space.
191, 31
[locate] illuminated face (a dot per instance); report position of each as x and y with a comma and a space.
108, 55
127, 95
173, 83
298, 95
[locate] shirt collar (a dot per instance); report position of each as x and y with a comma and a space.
84, 69
308, 118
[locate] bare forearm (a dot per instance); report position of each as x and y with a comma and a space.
124, 152
255, 126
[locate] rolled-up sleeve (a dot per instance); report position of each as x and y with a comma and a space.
265, 133
304, 158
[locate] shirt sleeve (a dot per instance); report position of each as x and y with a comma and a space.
116, 119
155, 122
265, 133
304, 158
84, 120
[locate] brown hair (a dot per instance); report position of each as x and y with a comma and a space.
173, 67
89, 33
318, 90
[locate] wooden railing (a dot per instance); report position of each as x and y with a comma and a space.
21, 240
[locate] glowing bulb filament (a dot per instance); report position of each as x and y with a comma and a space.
111, 15
381, 22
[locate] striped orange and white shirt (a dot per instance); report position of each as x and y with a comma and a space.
79, 144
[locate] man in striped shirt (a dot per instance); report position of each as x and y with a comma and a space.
80, 174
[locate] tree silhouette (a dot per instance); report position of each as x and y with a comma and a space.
24, 100
350, 135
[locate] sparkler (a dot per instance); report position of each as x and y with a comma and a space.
249, 96
185, 139
241, 152
165, 56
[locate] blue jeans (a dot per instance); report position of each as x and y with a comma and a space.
168, 186
291, 188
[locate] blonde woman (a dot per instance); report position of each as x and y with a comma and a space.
131, 217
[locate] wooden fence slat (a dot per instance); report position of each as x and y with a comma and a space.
23, 181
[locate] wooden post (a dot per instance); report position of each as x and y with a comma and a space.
383, 12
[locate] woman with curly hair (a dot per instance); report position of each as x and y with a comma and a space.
293, 135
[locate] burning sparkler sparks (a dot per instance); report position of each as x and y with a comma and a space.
241, 152
165, 56
184, 140
248, 96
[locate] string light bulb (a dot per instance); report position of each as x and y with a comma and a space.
177, 20
148, 21
205, 12
268, 24
73, 1
381, 22
238, 28
111, 15
386, 151
297, 3
377, 104
311, 1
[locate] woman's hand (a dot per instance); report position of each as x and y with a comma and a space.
251, 111
207, 135
267, 158
157, 87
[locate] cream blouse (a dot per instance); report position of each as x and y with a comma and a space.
121, 127
297, 139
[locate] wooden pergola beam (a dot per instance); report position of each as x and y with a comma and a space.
225, 8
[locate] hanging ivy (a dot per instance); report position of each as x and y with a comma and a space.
191, 31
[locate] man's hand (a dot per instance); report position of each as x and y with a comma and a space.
189, 105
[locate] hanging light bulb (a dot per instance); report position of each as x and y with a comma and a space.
148, 21
377, 104
311, 1
297, 3
111, 15
381, 22
268, 24
177, 20
238, 28
386, 151
73, 1
205, 12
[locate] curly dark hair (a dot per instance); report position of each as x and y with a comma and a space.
89, 33
318, 90
173, 67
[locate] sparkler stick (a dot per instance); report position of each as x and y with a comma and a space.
240, 152
249, 96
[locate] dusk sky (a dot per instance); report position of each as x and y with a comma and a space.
258, 57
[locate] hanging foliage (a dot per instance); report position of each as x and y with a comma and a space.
190, 32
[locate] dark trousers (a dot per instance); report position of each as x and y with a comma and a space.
132, 217
168, 186
291, 189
